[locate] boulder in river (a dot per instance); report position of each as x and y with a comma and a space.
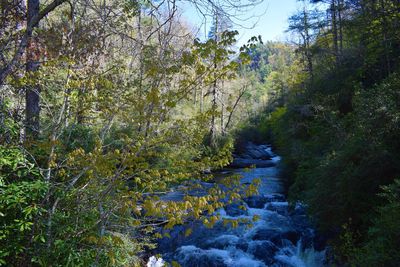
222, 241
194, 256
257, 201
235, 209
253, 151
264, 234
259, 156
247, 163
279, 207
276, 236
263, 250
291, 235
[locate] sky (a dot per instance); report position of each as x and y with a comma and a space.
270, 19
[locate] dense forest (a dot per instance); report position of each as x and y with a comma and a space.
335, 119
107, 105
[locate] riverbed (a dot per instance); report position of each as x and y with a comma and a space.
283, 235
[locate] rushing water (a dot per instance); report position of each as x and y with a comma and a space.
282, 236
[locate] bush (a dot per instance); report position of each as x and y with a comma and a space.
383, 241
22, 192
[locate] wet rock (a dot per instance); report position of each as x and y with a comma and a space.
247, 163
279, 207
257, 202
222, 242
275, 198
276, 236
301, 224
203, 260
291, 235
264, 250
236, 209
299, 209
256, 152
242, 245
265, 234
245, 156
177, 236
193, 256
284, 244
307, 238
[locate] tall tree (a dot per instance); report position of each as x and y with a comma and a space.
306, 24
32, 97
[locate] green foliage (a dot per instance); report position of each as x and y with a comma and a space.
326, 155
9, 128
253, 130
78, 136
116, 133
380, 249
335, 121
22, 192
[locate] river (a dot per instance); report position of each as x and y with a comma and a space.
283, 236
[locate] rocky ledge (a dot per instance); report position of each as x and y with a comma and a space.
259, 156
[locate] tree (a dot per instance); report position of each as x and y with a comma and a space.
32, 97
114, 84
35, 18
306, 24
337, 123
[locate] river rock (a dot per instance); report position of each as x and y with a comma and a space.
263, 250
222, 242
256, 152
242, 245
279, 207
253, 155
264, 234
235, 210
277, 236
291, 235
276, 197
257, 202
307, 238
193, 256
176, 237
204, 260
247, 163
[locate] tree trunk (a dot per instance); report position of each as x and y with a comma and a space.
214, 105
32, 97
234, 108
334, 29
307, 42
222, 110
385, 38
340, 9
23, 44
